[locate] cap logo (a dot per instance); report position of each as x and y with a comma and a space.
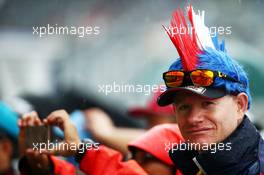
200, 90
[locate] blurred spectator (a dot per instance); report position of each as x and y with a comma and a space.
8, 120
8, 140
74, 100
32, 162
151, 158
7, 164
153, 113
102, 128
150, 150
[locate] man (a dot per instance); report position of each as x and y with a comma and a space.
210, 93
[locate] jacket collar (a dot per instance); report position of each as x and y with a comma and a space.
244, 151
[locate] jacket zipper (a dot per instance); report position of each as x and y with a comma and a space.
201, 172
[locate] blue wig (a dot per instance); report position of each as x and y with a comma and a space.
198, 50
218, 60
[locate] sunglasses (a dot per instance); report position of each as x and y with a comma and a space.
198, 77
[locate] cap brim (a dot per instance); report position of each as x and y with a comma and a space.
167, 97
140, 112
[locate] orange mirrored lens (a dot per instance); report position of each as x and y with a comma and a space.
202, 77
174, 78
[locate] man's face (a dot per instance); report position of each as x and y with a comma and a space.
6, 155
206, 121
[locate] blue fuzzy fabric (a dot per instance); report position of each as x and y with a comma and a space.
218, 60
8, 120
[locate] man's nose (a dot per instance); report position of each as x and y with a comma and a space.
195, 115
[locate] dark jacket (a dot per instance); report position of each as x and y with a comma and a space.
246, 156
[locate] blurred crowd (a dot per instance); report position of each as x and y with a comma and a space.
97, 122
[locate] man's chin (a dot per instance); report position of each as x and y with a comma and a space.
201, 141
205, 137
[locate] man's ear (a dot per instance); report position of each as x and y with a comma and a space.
7, 146
242, 102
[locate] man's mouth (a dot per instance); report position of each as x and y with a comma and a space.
198, 130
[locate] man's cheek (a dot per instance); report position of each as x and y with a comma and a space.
181, 126
185, 134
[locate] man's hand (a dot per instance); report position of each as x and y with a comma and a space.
99, 123
61, 119
103, 130
35, 159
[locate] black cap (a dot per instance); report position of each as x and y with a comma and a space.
167, 97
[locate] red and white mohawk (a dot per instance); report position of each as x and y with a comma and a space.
189, 44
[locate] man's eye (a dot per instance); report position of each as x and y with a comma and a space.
184, 107
207, 103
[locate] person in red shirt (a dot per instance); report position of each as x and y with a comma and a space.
150, 150
150, 153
